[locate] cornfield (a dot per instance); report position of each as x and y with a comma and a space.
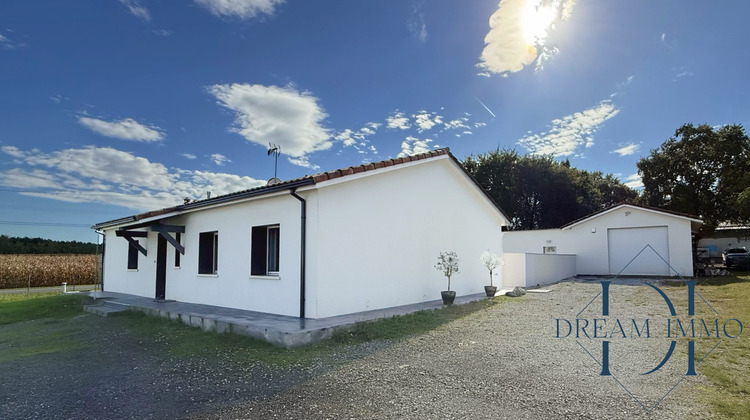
18, 270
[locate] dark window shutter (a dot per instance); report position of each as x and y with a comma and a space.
206, 253
258, 251
178, 238
132, 257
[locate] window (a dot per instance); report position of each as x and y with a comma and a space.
178, 238
132, 257
208, 253
264, 258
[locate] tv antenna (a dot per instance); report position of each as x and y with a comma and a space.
275, 150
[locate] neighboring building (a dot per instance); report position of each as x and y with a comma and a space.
724, 237
345, 241
624, 239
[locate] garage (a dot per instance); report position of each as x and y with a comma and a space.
610, 240
639, 251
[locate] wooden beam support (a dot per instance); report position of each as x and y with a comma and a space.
164, 233
168, 228
129, 235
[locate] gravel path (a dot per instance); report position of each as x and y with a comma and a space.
500, 363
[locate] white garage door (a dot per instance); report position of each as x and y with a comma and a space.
625, 244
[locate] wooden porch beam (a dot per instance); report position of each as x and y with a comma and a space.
164, 233
167, 228
129, 235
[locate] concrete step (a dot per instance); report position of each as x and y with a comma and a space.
106, 309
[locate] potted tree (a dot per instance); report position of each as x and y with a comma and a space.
448, 265
491, 262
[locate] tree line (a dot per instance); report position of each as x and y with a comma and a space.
702, 171
538, 192
15, 245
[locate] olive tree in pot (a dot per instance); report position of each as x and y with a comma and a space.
491, 262
448, 265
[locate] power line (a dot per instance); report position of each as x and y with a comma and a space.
48, 224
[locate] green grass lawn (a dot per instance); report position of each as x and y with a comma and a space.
24, 307
183, 340
728, 366
38, 336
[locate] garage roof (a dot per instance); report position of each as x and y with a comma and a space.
695, 222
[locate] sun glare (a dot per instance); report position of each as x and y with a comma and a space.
535, 21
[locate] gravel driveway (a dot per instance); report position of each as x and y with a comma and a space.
503, 362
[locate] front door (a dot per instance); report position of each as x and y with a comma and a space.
161, 268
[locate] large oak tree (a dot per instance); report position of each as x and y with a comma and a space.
538, 192
703, 171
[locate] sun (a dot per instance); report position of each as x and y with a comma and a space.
535, 20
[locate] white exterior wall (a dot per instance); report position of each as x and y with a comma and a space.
528, 270
233, 286
117, 277
379, 236
588, 240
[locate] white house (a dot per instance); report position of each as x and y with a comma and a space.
345, 241
624, 239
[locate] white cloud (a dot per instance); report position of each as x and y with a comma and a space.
111, 176
425, 120
58, 99
663, 36
571, 131
270, 114
135, 8
457, 123
398, 120
303, 162
188, 156
13, 151
127, 129
243, 9
416, 24
8, 44
414, 146
518, 34
479, 124
683, 73
633, 181
357, 139
627, 150
219, 159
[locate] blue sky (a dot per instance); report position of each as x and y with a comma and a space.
112, 107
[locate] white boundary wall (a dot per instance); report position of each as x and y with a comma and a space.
528, 270
588, 240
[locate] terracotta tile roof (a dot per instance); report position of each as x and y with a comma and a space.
338, 173
295, 183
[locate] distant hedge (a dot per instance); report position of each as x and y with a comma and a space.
13, 245
47, 270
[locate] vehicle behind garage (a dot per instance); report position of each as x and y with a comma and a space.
736, 257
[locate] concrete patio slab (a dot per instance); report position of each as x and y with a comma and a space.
280, 330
